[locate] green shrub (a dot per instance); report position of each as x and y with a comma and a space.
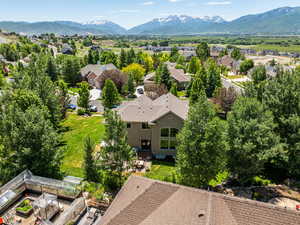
80, 112
25, 206
96, 190
258, 181
257, 196
220, 178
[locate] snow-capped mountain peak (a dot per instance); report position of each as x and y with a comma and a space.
97, 22
186, 19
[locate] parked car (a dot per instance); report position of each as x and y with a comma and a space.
72, 106
93, 108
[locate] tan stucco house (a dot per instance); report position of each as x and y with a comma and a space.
152, 125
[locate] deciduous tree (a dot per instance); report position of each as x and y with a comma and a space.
252, 139
84, 96
194, 65
202, 146
110, 94
136, 71
203, 51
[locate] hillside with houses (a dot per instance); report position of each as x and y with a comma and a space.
128, 130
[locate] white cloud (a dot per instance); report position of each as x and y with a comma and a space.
174, 0
219, 3
148, 3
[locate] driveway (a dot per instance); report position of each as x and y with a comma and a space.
95, 94
227, 84
73, 98
96, 103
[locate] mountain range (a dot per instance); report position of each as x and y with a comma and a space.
279, 21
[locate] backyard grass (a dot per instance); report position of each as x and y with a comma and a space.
233, 77
77, 129
181, 94
161, 170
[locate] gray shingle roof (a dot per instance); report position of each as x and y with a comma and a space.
143, 109
96, 69
142, 201
176, 74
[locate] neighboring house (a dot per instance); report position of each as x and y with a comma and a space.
230, 63
153, 125
92, 73
177, 75
271, 70
214, 54
143, 201
67, 49
188, 54
96, 48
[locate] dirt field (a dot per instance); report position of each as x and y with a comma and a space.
265, 59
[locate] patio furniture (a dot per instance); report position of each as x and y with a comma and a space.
46, 206
140, 164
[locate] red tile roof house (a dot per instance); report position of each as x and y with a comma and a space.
92, 73
152, 125
177, 75
142, 201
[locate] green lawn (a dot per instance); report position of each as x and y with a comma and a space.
77, 128
232, 77
161, 170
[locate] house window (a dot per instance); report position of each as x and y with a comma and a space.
145, 126
164, 132
168, 138
128, 125
173, 132
173, 144
164, 144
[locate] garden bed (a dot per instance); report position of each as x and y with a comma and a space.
25, 208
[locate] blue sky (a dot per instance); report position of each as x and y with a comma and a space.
129, 13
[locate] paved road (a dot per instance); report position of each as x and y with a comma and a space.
227, 84
97, 103
95, 94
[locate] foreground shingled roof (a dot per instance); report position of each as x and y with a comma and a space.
142, 201
143, 109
